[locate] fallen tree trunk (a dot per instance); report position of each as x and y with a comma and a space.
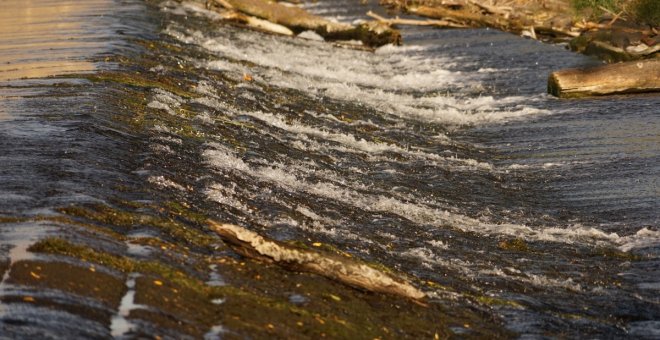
629, 77
347, 271
298, 20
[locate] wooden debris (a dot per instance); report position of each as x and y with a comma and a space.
335, 267
629, 77
644, 51
412, 22
497, 10
299, 20
259, 24
292, 17
554, 31
224, 4
460, 16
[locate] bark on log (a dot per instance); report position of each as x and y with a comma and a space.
347, 271
297, 19
629, 77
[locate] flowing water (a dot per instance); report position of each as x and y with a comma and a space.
124, 125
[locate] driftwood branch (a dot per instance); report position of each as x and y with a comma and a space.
298, 20
548, 30
224, 4
254, 22
347, 271
629, 77
412, 22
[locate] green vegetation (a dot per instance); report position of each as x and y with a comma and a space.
642, 11
595, 7
252, 305
614, 253
125, 221
123, 264
494, 301
141, 80
647, 11
514, 244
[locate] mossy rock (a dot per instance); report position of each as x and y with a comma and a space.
514, 244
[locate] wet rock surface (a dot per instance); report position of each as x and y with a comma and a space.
109, 178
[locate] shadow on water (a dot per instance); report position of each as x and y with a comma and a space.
442, 159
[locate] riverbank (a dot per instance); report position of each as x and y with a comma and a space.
595, 30
585, 27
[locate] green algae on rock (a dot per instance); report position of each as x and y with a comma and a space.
124, 220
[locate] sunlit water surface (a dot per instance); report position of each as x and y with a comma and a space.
432, 158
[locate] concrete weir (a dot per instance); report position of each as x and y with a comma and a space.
428, 190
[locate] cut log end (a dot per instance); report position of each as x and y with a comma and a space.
622, 78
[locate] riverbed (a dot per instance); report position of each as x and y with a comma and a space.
443, 160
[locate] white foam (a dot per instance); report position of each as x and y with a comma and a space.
226, 195
161, 128
120, 325
215, 279
160, 148
19, 237
189, 8
138, 249
438, 244
293, 178
428, 258
643, 238
401, 82
163, 100
215, 333
540, 281
205, 118
310, 35
389, 80
163, 182
349, 143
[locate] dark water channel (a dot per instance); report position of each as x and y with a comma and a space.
520, 215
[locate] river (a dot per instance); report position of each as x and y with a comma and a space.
124, 125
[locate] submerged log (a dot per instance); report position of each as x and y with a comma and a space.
630, 77
298, 20
335, 267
